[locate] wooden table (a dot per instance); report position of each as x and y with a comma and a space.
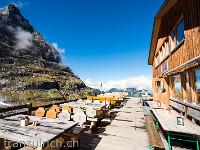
81, 105
169, 124
37, 137
154, 105
73, 104
117, 101
95, 106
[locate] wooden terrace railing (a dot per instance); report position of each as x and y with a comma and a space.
29, 108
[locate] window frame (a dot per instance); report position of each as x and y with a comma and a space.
195, 88
187, 92
173, 87
160, 88
177, 35
176, 43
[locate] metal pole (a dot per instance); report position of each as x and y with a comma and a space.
105, 105
169, 141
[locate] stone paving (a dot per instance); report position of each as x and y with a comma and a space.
126, 131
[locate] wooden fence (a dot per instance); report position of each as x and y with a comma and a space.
28, 107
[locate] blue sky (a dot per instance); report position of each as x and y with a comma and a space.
103, 39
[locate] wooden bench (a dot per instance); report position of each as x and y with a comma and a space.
51, 113
194, 113
56, 108
146, 111
65, 107
154, 138
40, 112
80, 100
177, 106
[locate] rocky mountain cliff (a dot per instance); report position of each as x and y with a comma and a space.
31, 68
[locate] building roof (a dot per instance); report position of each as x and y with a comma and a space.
166, 6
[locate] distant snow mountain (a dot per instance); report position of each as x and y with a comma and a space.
132, 92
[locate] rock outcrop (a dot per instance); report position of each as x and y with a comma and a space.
31, 70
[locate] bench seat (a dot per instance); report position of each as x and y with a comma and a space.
153, 135
146, 111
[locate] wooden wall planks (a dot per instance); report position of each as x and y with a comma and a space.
190, 10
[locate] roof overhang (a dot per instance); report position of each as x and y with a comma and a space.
166, 6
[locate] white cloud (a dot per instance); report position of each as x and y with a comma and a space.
58, 49
20, 4
140, 82
23, 38
93, 84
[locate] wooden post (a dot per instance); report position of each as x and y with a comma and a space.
192, 81
183, 86
167, 91
154, 89
2, 143
29, 108
186, 111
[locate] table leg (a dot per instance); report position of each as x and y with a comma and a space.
149, 146
169, 141
2, 144
146, 127
197, 143
154, 118
157, 125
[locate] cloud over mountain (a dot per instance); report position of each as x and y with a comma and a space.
20, 4
23, 38
58, 49
140, 82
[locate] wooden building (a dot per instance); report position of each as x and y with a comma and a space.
175, 56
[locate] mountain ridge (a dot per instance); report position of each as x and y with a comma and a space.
31, 68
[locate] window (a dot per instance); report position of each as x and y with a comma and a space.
160, 54
173, 39
187, 87
177, 35
176, 87
177, 84
180, 32
163, 51
160, 87
197, 84
168, 46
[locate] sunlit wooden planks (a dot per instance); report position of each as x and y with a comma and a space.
190, 10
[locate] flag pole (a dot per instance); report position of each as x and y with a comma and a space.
101, 87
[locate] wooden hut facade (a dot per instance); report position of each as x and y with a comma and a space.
175, 55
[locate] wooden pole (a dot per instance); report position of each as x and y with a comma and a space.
29, 108
167, 91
